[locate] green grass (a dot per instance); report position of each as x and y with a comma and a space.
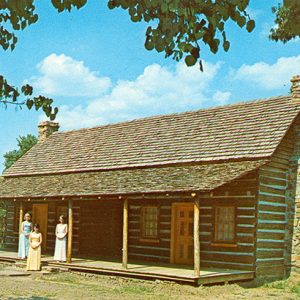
296, 289
285, 285
136, 289
280, 285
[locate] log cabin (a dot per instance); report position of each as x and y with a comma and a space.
213, 188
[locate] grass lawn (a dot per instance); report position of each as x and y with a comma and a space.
75, 286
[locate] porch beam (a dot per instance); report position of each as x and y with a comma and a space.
197, 237
125, 234
21, 215
70, 231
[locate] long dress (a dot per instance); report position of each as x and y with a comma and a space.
60, 244
24, 240
34, 255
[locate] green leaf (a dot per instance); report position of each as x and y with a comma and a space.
241, 20
226, 45
29, 104
250, 25
195, 52
190, 60
149, 45
164, 7
111, 4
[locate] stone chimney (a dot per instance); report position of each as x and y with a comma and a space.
295, 89
45, 129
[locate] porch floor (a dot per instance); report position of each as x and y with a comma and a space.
149, 270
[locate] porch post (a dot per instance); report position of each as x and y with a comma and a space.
21, 216
125, 234
70, 231
196, 237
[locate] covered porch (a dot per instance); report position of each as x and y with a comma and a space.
168, 234
153, 271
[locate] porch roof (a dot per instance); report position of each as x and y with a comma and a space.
201, 177
244, 131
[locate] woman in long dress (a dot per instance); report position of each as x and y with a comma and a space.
25, 230
61, 240
34, 254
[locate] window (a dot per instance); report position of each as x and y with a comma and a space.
149, 215
225, 224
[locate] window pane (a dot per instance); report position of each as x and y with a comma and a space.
225, 223
149, 222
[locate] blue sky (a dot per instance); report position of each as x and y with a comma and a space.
93, 63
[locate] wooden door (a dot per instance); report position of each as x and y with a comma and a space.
40, 216
182, 241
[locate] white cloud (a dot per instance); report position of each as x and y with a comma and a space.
269, 76
158, 90
61, 75
221, 98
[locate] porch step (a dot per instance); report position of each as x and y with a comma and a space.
125, 273
21, 264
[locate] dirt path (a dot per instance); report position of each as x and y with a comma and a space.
74, 286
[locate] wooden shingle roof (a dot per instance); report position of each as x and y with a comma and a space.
139, 180
246, 131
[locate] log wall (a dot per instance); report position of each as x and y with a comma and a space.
276, 204
241, 193
12, 234
100, 228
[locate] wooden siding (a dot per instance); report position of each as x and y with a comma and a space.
95, 217
275, 187
241, 193
12, 235
100, 228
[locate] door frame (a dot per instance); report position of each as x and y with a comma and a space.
175, 205
46, 216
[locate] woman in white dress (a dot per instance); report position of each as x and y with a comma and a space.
61, 240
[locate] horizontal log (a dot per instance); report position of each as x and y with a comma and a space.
270, 245
149, 257
273, 253
228, 257
270, 235
270, 226
277, 272
271, 216
272, 191
270, 181
226, 265
269, 206
270, 261
278, 165
208, 247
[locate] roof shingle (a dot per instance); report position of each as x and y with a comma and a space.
140, 180
250, 130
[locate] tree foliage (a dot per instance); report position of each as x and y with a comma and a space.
16, 15
25, 143
178, 28
287, 21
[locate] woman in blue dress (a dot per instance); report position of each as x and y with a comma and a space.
25, 230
